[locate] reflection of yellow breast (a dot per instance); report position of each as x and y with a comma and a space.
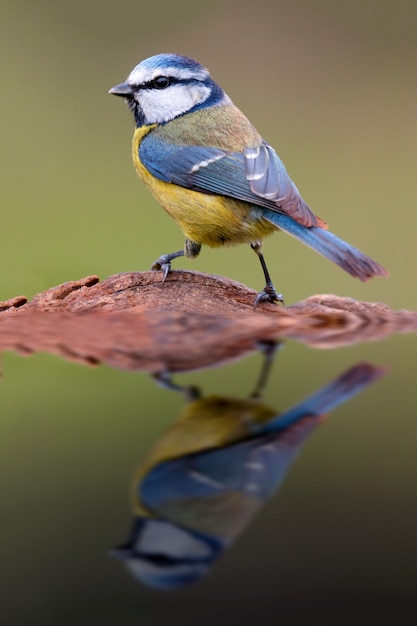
204, 218
205, 424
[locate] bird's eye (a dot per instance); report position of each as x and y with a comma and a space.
160, 82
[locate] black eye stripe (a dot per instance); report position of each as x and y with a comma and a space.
152, 84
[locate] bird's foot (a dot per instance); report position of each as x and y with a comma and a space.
163, 379
268, 294
164, 263
160, 264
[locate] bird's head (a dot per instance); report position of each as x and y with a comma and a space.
165, 86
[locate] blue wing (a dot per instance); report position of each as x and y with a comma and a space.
254, 467
257, 466
256, 175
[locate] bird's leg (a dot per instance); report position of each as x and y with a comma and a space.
191, 250
268, 349
164, 380
269, 293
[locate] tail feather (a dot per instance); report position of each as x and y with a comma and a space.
326, 399
326, 243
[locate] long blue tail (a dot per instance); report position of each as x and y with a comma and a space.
324, 242
329, 397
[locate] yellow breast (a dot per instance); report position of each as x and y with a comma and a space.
207, 219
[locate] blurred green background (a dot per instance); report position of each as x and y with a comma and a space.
332, 86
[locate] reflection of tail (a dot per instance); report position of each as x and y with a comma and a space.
193, 503
324, 242
328, 398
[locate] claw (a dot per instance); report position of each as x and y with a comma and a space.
268, 294
164, 263
166, 268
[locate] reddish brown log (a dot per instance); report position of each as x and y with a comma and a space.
133, 321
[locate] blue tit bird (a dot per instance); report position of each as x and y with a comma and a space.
214, 174
211, 472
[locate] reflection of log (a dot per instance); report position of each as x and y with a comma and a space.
132, 321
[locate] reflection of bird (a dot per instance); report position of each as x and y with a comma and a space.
213, 173
210, 473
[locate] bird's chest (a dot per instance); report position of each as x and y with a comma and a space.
208, 219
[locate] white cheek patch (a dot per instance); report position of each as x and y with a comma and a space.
163, 105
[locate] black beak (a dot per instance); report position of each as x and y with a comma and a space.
124, 90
